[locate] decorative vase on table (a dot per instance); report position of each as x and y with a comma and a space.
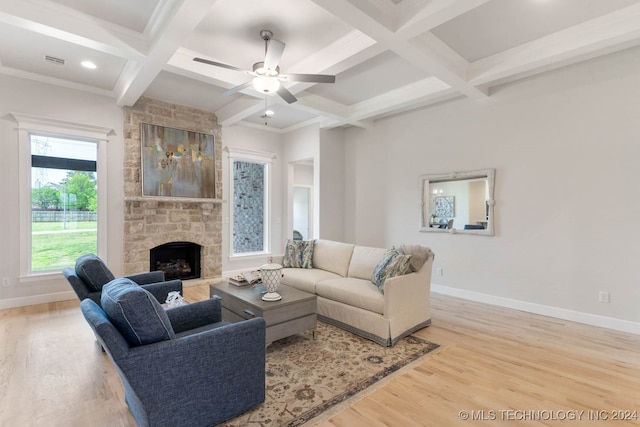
270, 275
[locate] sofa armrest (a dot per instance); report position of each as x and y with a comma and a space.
195, 315
147, 277
408, 294
161, 290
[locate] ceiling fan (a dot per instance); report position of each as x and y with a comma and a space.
266, 73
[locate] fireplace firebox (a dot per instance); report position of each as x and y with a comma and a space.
178, 260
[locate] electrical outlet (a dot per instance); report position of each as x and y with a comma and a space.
5, 282
440, 271
603, 296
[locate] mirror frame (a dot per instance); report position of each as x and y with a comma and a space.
426, 180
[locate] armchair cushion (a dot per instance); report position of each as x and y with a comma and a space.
135, 312
93, 271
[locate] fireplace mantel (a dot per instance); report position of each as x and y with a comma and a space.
173, 200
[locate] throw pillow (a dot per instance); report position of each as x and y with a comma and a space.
135, 312
392, 264
419, 255
93, 272
298, 254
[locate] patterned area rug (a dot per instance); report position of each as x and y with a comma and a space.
307, 376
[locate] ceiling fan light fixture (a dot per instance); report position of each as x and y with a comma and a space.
266, 84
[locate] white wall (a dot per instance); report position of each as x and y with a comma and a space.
566, 148
331, 168
43, 100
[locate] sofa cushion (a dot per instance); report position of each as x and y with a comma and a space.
419, 255
135, 312
332, 256
392, 264
354, 292
305, 279
298, 254
364, 260
93, 272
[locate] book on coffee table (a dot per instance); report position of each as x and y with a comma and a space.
245, 278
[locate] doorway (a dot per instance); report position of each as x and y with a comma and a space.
301, 212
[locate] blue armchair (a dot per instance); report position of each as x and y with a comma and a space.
90, 274
182, 366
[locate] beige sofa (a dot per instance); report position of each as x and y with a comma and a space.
341, 279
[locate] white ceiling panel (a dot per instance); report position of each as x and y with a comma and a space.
382, 73
230, 32
180, 90
284, 116
131, 14
31, 60
499, 25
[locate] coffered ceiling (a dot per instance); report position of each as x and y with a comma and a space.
388, 56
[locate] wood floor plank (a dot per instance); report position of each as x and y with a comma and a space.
493, 363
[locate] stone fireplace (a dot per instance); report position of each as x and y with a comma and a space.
150, 222
178, 260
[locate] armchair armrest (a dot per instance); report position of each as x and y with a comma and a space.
161, 290
195, 315
147, 277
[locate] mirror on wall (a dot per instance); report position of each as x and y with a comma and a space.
458, 202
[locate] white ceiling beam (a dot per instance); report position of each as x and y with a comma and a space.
430, 54
422, 90
329, 109
9, 71
414, 20
608, 33
174, 26
238, 110
73, 27
435, 59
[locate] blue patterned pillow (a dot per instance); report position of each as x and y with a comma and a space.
298, 254
393, 263
135, 312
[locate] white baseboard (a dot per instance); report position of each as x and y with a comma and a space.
545, 310
36, 299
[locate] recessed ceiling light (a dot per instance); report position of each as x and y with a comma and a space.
88, 64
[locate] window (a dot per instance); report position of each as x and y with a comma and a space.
250, 207
63, 193
63, 201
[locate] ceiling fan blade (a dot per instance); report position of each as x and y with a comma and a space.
275, 48
236, 88
286, 95
219, 64
314, 78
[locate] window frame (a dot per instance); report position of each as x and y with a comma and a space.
32, 125
259, 157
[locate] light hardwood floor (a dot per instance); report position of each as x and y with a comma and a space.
512, 365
